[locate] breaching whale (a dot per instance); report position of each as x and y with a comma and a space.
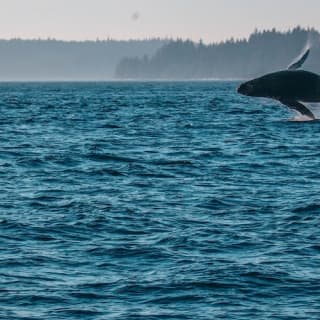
291, 87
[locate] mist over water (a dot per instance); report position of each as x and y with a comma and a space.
156, 201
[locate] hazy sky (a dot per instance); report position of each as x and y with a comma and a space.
211, 20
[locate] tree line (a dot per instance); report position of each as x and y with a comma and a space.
264, 51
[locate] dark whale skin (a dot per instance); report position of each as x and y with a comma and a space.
287, 85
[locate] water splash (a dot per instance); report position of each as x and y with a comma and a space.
301, 118
313, 40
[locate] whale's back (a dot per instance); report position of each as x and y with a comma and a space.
297, 85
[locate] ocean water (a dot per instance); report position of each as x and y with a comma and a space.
156, 201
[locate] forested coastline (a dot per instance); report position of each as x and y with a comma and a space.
263, 51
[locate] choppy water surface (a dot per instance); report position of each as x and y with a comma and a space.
156, 201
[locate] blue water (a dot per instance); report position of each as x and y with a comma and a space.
156, 201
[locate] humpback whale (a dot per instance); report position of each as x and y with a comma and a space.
290, 87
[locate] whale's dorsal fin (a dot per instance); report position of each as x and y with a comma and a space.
296, 65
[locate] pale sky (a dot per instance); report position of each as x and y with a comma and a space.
211, 20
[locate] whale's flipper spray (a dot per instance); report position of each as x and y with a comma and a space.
312, 40
296, 65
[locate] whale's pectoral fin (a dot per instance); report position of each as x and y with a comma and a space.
295, 105
296, 65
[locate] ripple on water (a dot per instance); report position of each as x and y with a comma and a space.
156, 201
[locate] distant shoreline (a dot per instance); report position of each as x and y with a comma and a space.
154, 59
